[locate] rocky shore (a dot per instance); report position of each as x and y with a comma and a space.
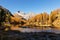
16, 35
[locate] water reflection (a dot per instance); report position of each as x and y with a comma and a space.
37, 30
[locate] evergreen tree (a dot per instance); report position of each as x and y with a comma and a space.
5, 16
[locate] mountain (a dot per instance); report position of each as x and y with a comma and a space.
31, 20
24, 15
18, 18
9, 20
17, 21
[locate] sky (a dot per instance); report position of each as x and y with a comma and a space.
36, 6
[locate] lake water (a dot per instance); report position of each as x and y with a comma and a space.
37, 30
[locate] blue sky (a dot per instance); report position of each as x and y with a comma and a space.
36, 6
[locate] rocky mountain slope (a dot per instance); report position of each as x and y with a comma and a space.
24, 15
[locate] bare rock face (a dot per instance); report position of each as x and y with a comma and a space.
24, 15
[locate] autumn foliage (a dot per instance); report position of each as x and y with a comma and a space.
14, 21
